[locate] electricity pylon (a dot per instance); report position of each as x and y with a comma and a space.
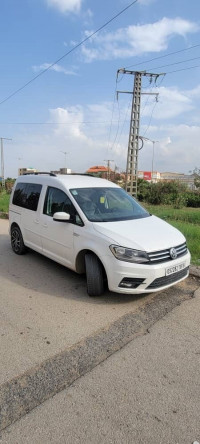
133, 144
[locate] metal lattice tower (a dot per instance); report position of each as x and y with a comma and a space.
133, 144
132, 156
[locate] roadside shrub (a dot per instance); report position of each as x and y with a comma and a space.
143, 190
180, 201
193, 199
166, 193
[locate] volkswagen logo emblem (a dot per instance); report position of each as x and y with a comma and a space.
173, 253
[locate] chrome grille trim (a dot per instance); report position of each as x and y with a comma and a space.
157, 257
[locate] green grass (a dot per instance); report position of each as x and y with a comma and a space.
190, 215
4, 201
192, 235
187, 220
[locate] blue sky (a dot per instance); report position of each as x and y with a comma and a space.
72, 108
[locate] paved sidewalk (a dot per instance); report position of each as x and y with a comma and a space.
146, 393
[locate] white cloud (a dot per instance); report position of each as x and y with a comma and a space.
177, 149
69, 123
87, 17
136, 39
80, 131
83, 132
56, 68
194, 93
65, 6
171, 103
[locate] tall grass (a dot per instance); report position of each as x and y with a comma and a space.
187, 220
192, 235
190, 215
4, 201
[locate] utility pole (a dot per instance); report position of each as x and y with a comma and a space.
2, 162
152, 165
108, 167
152, 168
133, 144
65, 153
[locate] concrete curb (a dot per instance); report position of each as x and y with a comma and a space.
20, 395
195, 271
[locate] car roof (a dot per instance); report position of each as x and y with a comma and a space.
68, 180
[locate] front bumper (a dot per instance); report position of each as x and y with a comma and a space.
145, 278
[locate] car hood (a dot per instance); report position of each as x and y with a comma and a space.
146, 234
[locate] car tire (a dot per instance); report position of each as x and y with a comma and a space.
17, 242
94, 275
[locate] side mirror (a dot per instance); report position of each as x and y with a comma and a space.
61, 216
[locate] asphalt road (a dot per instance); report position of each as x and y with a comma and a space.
145, 393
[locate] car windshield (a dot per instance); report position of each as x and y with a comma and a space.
107, 204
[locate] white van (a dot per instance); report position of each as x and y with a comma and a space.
93, 226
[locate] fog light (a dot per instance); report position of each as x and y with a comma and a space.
131, 282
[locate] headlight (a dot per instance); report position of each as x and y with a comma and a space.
129, 255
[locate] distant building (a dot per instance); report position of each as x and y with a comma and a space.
187, 179
149, 176
62, 171
22, 171
101, 171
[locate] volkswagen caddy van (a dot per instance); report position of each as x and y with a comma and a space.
93, 226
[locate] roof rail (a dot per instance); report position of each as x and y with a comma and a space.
80, 174
40, 172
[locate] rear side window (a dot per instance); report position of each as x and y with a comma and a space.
27, 195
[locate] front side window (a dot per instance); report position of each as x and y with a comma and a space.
108, 204
27, 195
57, 201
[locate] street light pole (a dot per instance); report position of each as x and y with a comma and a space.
2, 162
65, 153
153, 142
152, 163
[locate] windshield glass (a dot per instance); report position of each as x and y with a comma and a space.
107, 204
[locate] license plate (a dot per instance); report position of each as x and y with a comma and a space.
174, 269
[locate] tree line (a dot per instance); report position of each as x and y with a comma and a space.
172, 193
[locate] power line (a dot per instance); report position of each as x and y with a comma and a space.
111, 122
176, 63
125, 120
117, 127
150, 119
60, 123
163, 56
68, 52
183, 69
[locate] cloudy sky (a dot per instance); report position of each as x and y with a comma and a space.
58, 98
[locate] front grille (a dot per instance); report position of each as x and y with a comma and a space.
157, 257
167, 280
